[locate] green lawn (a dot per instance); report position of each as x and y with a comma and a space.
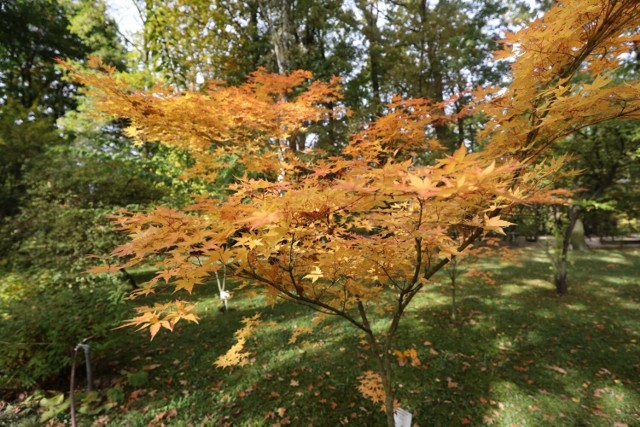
518, 355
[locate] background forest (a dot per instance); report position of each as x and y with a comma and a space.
65, 169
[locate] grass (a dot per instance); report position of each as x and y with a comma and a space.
518, 355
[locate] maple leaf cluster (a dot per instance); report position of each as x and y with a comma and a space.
237, 355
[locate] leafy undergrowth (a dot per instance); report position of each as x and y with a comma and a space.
516, 355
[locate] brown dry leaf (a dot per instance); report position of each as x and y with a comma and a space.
559, 370
151, 367
274, 394
433, 352
136, 394
165, 415
451, 384
102, 421
465, 421
294, 383
620, 425
281, 411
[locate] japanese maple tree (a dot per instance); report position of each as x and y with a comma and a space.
359, 235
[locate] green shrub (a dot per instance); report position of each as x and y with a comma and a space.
43, 316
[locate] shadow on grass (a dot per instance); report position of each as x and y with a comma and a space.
527, 357
310, 382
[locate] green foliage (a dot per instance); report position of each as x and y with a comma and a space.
23, 137
53, 406
48, 301
69, 192
89, 21
44, 315
137, 379
32, 34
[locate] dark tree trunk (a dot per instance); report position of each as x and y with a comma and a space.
372, 33
562, 287
130, 278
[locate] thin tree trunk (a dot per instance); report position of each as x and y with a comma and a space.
372, 33
382, 356
561, 283
453, 274
130, 278
381, 353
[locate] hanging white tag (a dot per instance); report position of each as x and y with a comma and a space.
224, 295
402, 418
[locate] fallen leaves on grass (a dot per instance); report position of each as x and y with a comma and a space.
558, 370
151, 367
165, 415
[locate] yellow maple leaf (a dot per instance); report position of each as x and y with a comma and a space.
371, 387
314, 275
495, 224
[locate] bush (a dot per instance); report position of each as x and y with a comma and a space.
44, 315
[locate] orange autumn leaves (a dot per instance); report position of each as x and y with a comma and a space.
562, 75
314, 238
253, 121
341, 230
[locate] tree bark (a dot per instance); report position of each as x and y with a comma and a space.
277, 14
562, 286
130, 278
372, 33
382, 356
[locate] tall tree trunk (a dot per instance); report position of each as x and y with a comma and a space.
372, 33
436, 94
278, 20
